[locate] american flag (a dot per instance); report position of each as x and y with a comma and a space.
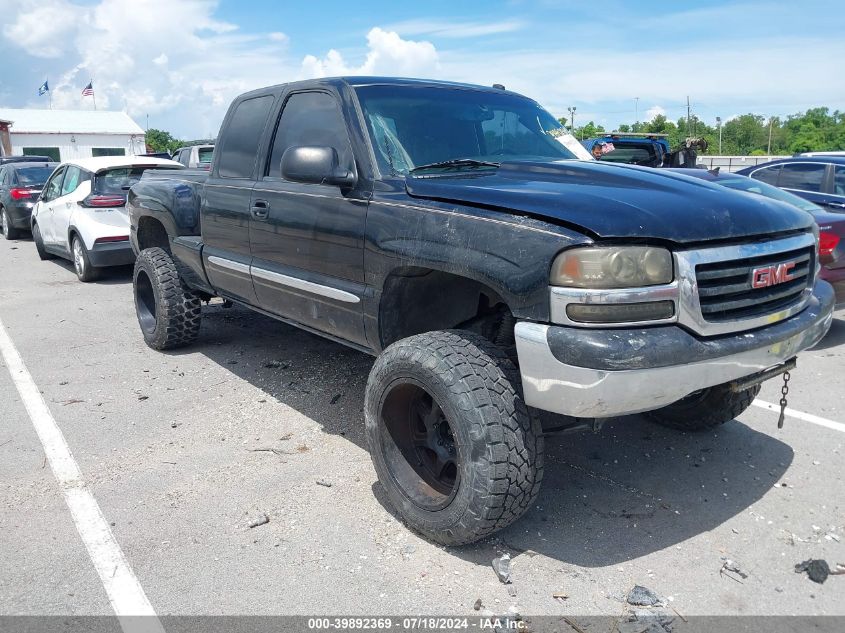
88, 91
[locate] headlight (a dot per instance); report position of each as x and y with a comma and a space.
612, 267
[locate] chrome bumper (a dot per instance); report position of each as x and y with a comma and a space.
555, 386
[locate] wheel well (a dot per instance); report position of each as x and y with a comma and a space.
151, 233
416, 300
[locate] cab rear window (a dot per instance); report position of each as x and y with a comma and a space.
205, 155
118, 179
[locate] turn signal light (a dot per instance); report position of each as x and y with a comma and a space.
620, 312
827, 242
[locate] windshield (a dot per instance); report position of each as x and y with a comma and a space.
412, 126
36, 176
755, 186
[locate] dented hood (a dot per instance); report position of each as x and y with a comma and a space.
616, 201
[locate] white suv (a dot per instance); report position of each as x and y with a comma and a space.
81, 213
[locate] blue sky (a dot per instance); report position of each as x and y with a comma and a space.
182, 61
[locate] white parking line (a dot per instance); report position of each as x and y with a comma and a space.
800, 415
125, 593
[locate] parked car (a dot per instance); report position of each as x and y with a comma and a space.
443, 229
20, 186
195, 156
81, 215
819, 179
831, 225
4, 160
644, 149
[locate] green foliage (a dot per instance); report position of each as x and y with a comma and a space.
817, 129
161, 141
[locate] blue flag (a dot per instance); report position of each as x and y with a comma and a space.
43, 88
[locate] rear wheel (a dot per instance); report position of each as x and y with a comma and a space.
452, 441
169, 312
9, 232
81, 262
705, 409
39, 243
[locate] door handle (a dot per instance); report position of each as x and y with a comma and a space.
836, 205
260, 209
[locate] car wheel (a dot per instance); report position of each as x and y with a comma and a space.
169, 312
705, 409
454, 445
39, 243
81, 263
9, 232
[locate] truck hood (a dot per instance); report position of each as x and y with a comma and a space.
616, 201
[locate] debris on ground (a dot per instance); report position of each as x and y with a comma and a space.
262, 520
817, 569
502, 567
645, 621
478, 604
559, 595
335, 398
276, 364
512, 591
643, 597
323, 482
407, 550
270, 449
729, 565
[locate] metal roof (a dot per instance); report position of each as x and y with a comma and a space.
70, 122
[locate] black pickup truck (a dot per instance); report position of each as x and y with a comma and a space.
444, 229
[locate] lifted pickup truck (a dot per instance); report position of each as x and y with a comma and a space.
442, 228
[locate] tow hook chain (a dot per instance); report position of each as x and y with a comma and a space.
784, 392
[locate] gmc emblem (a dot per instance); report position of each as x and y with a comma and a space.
772, 275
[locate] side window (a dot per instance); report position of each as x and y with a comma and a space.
310, 118
802, 176
839, 181
768, 175
4, 175
185, 157
71, 181
242, 137
53, 188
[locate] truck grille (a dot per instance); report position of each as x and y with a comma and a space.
726, 294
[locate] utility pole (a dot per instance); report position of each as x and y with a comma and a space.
572, 119
688, 115
769, 150
719, 124
636, 110
148, 123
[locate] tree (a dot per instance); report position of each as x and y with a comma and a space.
161, 141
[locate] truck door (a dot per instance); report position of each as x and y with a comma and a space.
308, 239
225, 210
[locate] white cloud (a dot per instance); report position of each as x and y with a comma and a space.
42, 27
654, 111
447, 29
387, 54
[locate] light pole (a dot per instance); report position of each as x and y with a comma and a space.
719, 125
572, 119
636, 110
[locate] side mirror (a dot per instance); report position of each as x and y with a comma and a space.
316, 165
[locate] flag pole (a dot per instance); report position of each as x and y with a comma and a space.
49, 92
93, 94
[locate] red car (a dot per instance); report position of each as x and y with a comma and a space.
831, 225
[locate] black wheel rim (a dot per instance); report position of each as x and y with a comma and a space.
145, 302
419, 446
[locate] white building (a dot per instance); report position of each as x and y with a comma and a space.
66, 134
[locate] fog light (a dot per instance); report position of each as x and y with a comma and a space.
620, 312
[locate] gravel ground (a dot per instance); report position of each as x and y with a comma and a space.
173, 448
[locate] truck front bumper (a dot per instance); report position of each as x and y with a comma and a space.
610, 372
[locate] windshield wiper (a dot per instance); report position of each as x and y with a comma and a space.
456, 164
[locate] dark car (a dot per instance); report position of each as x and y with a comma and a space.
819, 179
831, 225
5, 160
20, 186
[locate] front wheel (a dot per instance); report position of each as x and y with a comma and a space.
705, 409
452, 441
81, 262
9, 232
169, 312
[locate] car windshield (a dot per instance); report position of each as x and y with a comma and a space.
412, 126
33, 176
761, 188
118, 179
205, 154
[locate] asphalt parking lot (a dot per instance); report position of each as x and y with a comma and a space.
182, 451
